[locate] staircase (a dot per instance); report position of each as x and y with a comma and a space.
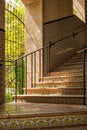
63, 86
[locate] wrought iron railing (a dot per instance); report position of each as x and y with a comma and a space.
28, 69
84, 54
32, 68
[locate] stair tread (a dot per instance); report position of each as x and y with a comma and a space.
59, 82
55, 88
64, 85
51, 95
66, 72
57, 77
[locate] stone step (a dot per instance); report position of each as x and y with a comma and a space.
67, 73
59, 84
79, 56
54, 99
71, 67
73, 63
76, 60
42, 116
56, 91
61, 78
63, 69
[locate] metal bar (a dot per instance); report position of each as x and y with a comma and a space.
34, 70
39, 65
42, 62
15, 81
22, 76
84, 77
26, 76
31, 70
48, 60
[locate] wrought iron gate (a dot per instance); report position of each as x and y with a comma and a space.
14, 42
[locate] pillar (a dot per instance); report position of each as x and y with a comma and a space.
2, 52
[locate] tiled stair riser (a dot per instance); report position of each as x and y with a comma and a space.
65, 84
79, 78
72, 66
52, 99
60, 90
67, 73
56, 91
74, 63
44, 122
69, 69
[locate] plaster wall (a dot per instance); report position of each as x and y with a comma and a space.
34, 34
56, 9
79, 9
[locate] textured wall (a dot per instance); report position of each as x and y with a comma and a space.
79, 9
2, 52
63, 50
33, 28
55, 9
43, 25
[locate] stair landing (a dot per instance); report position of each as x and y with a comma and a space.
41, 116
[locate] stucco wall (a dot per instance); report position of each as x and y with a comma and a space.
33, 24
63, 50
43, 26
56, 9
2, 52
79, 9
33, 29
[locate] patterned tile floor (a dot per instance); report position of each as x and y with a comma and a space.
36, 115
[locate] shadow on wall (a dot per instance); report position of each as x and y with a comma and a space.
74, 34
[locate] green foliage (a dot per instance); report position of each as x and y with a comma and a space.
14, 34
14, 43
8, 97
20, 76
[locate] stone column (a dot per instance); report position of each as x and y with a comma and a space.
2, 52
33, 31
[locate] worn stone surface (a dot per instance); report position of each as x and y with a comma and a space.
41, 116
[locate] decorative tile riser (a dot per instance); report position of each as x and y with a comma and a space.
51, 99
71, 66
73, 63
69, 69
59, 85
66, 74
43, 122
63, 79
48, 91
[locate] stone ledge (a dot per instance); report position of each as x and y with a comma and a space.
27, 2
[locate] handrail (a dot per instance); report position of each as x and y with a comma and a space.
74, 33
21, 63
83, 50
